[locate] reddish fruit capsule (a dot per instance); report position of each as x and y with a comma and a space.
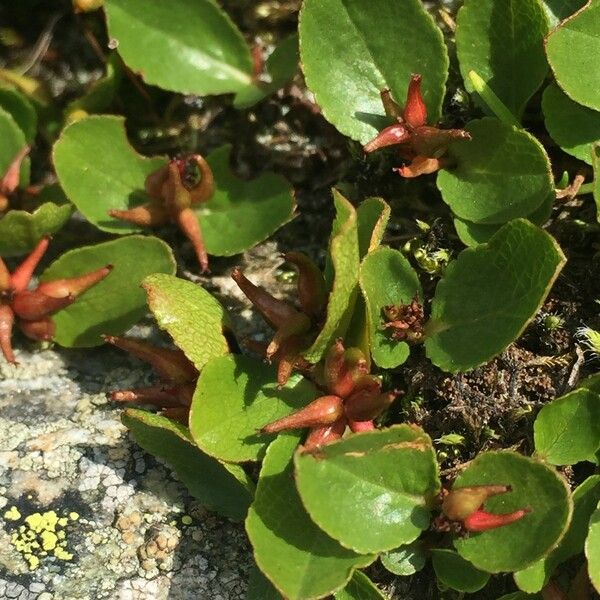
319, 413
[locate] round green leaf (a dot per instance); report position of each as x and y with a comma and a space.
13, 141
573, 50
386, 277
585, 499
503, 42
21, 110
457, 573
342, 273
242, 213
392, 475
301, 560
501, 174
405, 560
372, 216
592, 549
99, 170
20, 230
235, 397
533, 486
118, 301
225, 489
489, 294
188, 313
349, 54
573, 127
473, 234
567, 430
182, 46
360, 587
281, 66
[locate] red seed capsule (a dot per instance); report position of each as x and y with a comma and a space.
73, 286
22, 274
481, 520
415, 110
320, 412
461, 502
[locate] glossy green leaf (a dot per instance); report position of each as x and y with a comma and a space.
573, 51
573, 127
457, 573
281, 66
489, 294
372, 215
360, 587
21, 110
189, 314
557, 10
260, 588
235, 397
187, 47
405, 560
379, 482
301, 560
242, 213
100, 94
534, 486
21, 230
13, 141
473, 234
117, 302
350, 54
99, 170
225, 489
386, 277
501, 174
567, 430
592, 549
585, 500
344, 263
503, 42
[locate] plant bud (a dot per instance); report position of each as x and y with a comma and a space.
415, 111
390, 136
152, 214
41, 330
312, 291
22, 274
74, 286
365, 405
390, 106
10, 180
321, 436
35, 305
160, 396
7, 319
462, 502
360, 426
481, 520
189, 224
320, 412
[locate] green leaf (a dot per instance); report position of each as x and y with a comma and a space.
187, 47
13, 141
281, 66
489, 294
99, 170
500, 174
299, 559
117, 302
386, 277
592, 549
585, 499
260, 588
100, 94
567, 430
350, 54
20, 230
457, 573
372, 215
392, 475
225, 489
235, 397
573, 127
504, 43
573, 51
591, 383
188, 313
557, 10
534, 486
242, 213
360, 587
344, 263
473, 234
405, 560
21, 110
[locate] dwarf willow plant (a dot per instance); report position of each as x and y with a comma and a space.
340, 485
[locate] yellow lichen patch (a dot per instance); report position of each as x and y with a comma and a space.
40, 535
12, 514
186, 520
